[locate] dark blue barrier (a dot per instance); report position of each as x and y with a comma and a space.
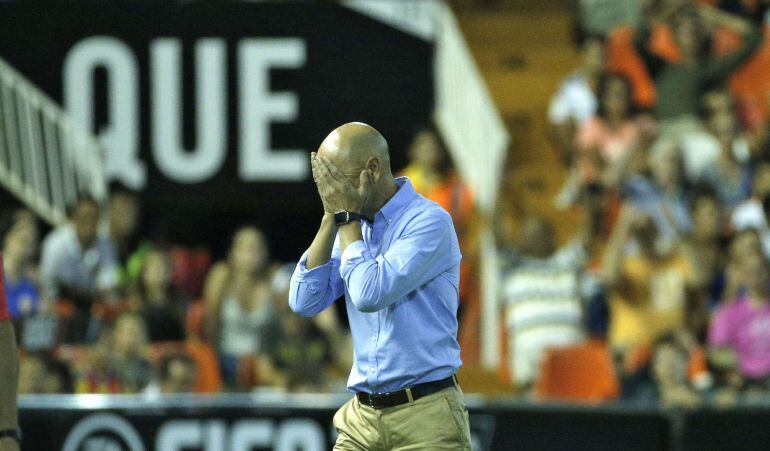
303, 422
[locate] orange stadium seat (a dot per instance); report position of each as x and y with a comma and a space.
582, 373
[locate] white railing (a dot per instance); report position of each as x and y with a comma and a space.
46, 159
478, 140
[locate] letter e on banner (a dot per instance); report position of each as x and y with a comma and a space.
259, 107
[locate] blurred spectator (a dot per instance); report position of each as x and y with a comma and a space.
648, 281
678, 370
607, 137
120, 227
238, 300
729, 174
41, 374
327, 322
119, 362
705, 247
297, 353
575, 102
430, 171
740, 332
159, 304
754, 212
79, 265
21, 286
600, 16
176, 374
541, 289
604, 144
688, 70
662, 195
702, 147
744, 246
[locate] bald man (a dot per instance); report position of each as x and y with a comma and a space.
394, 255
10, 436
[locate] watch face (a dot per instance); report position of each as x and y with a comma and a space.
341, 217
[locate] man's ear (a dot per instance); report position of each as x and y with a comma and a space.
374, 167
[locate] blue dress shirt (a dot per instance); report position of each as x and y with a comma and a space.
401, 293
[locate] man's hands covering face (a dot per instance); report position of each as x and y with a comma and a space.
336, 191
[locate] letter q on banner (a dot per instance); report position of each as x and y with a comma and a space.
103, 427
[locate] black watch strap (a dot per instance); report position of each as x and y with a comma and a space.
344, 217
11, 433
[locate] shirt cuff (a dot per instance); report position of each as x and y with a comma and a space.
319, 273
353, 255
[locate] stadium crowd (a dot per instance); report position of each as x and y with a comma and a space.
663, 131
99, 308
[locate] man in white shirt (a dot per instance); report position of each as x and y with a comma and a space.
78, 263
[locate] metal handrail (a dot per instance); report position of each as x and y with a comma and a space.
46, 159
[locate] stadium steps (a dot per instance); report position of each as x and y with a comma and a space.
523, 50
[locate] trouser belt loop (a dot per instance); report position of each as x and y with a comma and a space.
409, 395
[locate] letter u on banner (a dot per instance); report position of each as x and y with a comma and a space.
120, 137
210, 152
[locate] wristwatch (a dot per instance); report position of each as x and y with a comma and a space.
11, 433
343, 217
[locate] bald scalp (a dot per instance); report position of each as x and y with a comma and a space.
352, 144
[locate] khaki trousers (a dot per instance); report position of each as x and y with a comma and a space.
434, 422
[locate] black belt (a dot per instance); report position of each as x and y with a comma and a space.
396, 398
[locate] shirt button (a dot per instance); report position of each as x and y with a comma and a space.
371, 370
373, 338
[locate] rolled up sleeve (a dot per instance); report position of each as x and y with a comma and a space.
313, 290
420, 254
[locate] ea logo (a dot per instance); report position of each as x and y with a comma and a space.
103, 431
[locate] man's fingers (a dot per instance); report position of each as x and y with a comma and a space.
334, 170
325, 175
364, 181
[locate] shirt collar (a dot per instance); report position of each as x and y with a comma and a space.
400, 200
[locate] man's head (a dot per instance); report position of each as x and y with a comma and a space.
85, 218
536, 237
614, 96
760, 184
156, 271
689, 34
129, 335
666, 164
745, 244
755, 272
249, 252
356, 147
706, 212
646, 233
592, 55
428, 151
123, 214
